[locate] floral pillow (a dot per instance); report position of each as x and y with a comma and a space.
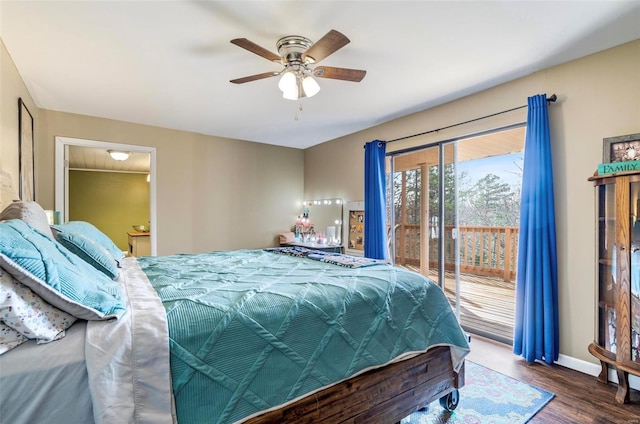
25, 312
9, 338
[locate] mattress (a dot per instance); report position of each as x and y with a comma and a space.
39, 380
250, 330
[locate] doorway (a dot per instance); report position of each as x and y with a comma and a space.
87, 161
455, 217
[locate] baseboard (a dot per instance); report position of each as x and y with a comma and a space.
593, 369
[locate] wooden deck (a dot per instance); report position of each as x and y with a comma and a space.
487, 304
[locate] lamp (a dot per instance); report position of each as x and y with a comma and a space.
118, 154
296, 82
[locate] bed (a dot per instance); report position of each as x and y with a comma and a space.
247, 336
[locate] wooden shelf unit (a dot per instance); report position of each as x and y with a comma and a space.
617, 339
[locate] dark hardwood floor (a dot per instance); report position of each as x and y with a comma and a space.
579, 398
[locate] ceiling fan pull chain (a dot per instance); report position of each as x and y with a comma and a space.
299, 110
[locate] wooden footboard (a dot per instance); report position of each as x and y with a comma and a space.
384, 395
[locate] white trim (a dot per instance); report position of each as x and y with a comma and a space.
61, 186
594, 370
114, 171
578, 365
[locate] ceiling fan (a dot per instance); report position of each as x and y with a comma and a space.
298, 54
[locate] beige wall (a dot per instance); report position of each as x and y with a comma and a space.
212, 193
11, 88
598, 97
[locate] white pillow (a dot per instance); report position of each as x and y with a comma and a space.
28, 314
29, 212
9, 338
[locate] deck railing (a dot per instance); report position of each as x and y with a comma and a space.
489, 251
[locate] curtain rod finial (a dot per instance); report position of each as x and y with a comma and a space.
553, 98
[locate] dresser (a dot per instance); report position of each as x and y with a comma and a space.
139, 243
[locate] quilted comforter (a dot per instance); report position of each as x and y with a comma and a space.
250, 330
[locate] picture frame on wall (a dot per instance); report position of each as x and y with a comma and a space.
26, 161
623, 148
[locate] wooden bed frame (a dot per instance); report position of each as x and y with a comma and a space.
381, 396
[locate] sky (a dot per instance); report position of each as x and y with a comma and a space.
505, 166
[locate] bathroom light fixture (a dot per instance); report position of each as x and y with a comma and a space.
118, 154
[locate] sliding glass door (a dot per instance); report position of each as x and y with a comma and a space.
423, 189
454, 210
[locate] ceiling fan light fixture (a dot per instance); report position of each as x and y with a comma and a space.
289, 86
288, 82
290, 95
311, 87
296, 84
118, 154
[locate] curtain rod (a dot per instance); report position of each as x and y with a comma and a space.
553, 98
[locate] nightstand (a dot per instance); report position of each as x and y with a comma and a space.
139, 243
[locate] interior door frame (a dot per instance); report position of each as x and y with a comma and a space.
62, 176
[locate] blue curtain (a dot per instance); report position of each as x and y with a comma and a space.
536, 325
375, 209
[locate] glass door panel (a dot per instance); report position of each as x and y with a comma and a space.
413, 193
488, 183
607, 271
634, 203
424, 194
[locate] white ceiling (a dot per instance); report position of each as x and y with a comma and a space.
82, 157
168, 63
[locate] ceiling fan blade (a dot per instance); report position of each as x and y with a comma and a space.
254, 77
346, 74
254, 48
330, 43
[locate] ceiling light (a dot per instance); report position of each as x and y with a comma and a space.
289, 86
310, 86
118, 154
296, 84
287, 82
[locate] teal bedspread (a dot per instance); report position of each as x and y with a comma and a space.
250, 329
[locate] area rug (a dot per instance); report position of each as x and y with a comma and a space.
488, 397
